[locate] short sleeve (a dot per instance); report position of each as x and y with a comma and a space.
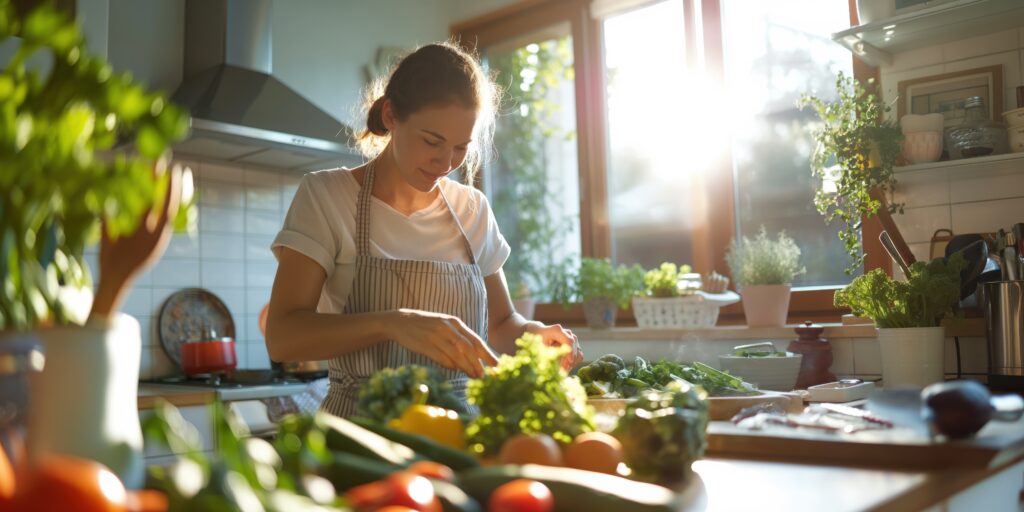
495, 249
307, 229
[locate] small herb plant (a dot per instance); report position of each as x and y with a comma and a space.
927, 296
664, 280
761, 260
856, 151
599, 279
61, 177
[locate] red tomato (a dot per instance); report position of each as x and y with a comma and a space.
68, 483
395, 508
370, 496
521, 496
433, 470
403, 489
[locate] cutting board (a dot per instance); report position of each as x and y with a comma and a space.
719, 408
899, 448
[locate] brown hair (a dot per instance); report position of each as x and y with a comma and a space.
433, 75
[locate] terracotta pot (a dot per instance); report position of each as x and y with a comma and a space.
765, 305
600, 313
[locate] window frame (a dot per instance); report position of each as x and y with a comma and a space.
710, 240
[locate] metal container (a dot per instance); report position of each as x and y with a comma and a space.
1003, 302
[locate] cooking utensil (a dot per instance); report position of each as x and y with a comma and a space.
189, 315
854, 412
890, 248
208, 356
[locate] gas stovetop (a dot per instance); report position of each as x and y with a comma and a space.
237, 385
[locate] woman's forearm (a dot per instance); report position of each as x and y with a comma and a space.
304, 335
502, 335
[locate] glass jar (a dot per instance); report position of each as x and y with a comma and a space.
977, 134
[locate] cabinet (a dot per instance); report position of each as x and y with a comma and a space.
876, 42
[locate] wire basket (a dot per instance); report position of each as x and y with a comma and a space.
696, 311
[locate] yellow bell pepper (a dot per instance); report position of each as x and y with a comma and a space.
437, 423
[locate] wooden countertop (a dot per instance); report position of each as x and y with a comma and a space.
177, 397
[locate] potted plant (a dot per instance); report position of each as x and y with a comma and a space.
907, 315
764, 269
64, 185
854, 157
602, 288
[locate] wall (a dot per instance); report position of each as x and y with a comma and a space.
970, 198
240, 211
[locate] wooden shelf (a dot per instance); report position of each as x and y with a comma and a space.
876, 42
964, 162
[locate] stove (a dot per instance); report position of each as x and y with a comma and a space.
236, 386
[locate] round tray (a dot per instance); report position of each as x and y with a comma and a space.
189, 315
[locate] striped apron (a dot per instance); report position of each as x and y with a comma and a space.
383, 284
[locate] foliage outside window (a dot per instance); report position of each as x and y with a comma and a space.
523, 198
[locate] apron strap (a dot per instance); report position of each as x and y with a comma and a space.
363, 216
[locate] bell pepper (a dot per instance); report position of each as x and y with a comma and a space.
437, 423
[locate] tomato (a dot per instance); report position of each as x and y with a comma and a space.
68, 483
395, 508
521, 496
404, 488
147, 500
431, 469
6, 477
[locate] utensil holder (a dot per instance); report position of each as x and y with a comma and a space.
1003, 303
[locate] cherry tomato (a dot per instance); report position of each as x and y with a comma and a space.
69, 483
521, 496
395, 508
433, 470
370, 496
413, 491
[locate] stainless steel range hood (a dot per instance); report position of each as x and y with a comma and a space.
240, 112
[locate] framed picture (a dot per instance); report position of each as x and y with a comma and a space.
946, 93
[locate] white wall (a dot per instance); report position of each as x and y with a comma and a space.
972, 198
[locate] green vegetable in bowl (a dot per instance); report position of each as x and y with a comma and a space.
663, 432
767, 349
610, 377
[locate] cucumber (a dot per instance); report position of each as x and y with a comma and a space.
347, 470
456, 459
575, 489
454, 499
345, 436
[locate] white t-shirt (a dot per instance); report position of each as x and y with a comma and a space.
321, 224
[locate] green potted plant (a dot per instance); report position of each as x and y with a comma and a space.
854, 157
672, 298
602, 288
908, 316
63, 186
764, 269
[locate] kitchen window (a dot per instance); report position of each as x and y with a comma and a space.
687, 134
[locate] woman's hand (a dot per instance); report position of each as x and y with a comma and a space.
443, 338
556, 335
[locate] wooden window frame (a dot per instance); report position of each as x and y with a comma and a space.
710, 239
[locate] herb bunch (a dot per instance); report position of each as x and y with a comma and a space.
761, 260
664, 280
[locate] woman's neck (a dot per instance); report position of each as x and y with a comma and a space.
389, 186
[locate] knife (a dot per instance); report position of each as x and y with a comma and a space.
846, 410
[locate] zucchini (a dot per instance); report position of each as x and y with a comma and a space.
347, 470
575, 489
345, 436
456, 459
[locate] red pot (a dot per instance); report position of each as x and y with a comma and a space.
208, 356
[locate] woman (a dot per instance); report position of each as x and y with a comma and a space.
392, 263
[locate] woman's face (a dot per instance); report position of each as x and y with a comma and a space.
430, 143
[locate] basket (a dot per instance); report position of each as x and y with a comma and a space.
696, 311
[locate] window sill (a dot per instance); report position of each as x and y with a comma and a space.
971, 327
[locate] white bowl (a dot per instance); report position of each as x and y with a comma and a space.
1014, 117
912, 123
770, 373
1015, 135
920, 147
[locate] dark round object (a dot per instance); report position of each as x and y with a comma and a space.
959, 408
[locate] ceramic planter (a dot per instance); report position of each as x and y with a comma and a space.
765, 305
600, 313
912, 356
525, 307
869, 11
85, 401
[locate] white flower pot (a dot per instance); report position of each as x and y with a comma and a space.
766, 305
85, 401
913, 356
525, 307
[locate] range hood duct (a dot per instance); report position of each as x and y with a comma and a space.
240, 112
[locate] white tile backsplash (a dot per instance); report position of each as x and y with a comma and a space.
928, 187
987, 216
240, 212
997, 180
918, 224
965, 49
